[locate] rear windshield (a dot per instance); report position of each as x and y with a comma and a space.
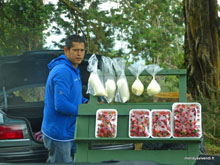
27, 95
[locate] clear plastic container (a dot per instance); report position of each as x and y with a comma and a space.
187, 120
106, 123
139, 123
161, 123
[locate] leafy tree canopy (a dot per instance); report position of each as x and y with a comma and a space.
152, 30
22, 24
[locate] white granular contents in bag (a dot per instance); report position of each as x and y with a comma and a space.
110, 89
123, 89
137, 87
153, 88
97, 85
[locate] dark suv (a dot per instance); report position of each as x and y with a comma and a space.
22, 82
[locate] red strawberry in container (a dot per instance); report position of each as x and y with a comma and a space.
161, 123
106, 123
139, 123
187, 120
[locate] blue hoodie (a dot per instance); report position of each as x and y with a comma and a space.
63, 94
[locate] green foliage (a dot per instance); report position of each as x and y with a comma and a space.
74, 17
153, 30
210, 122
211, 116
22, 24
212, 149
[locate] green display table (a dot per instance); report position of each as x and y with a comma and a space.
85, 132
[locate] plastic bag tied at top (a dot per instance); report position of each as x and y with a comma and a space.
95, 85
109, 78
122, 93
136, 69
153, 88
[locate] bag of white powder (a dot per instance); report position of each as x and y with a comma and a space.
109, 78
153, 88
122, 93
95, 85
136, 69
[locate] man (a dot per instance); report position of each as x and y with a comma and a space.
63, 94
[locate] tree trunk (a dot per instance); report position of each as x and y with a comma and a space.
201, 47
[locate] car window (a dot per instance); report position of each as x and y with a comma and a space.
34, 94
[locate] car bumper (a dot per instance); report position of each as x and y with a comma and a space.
23, 155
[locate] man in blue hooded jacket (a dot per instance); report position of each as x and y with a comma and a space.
63, 94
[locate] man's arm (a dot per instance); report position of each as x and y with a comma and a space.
61, 93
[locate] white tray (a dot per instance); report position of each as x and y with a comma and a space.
188, 120
106, 124
164, 123
142, 125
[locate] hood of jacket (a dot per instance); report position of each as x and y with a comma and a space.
60, 60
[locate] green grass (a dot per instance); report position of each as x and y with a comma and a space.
212, 149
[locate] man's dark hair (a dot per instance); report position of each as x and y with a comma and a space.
74, 38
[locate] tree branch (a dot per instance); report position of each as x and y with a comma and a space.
70, 5
129, 5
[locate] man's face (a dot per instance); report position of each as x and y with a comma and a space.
76, 53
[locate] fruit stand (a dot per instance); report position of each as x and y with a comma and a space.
86, 128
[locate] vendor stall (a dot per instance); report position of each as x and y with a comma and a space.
86, 131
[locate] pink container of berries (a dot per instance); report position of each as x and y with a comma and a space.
161, 123
139, 123
106, 123
187, 120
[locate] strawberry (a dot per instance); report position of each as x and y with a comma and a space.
100, 134
186, 116
106, 123
102, 125
140, 126
132, 134
161, 123
139, 123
